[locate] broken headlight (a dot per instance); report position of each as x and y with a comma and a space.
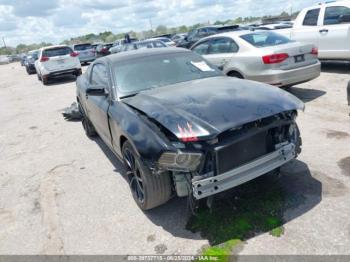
180, 161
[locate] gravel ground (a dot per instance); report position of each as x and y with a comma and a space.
62, 193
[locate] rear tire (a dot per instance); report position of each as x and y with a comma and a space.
45, 80
235, 74
148, 190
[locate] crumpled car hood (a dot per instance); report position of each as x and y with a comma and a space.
206, 107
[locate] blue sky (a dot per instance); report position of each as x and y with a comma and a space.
29, 21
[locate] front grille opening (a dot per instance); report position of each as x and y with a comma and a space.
244, 151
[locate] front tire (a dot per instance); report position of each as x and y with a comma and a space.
88, 127
148, 190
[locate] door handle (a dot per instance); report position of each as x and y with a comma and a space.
323, 31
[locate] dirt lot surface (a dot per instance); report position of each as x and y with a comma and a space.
62, 193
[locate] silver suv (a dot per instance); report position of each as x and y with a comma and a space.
86, 52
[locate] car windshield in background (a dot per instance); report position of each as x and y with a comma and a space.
57, 51
82, 47
150, 44
264, 39
33, 54
144, 73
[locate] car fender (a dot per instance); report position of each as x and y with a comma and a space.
148, 141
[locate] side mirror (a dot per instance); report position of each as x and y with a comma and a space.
96, 91
344, 19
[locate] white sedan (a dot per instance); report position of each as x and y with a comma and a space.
262, 56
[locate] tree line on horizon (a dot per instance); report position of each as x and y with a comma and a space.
108, 36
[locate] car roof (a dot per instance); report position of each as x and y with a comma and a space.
53, 46
328, 3
82, 44
124, 56
151, 40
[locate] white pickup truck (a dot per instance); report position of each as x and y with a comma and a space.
327, 26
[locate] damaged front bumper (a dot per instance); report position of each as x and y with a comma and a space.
260, 166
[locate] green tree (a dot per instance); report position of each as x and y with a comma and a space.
182, 29
161, 29
238, 20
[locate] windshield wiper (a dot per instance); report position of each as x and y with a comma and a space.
126, 96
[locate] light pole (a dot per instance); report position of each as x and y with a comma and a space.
150, 22
3, 40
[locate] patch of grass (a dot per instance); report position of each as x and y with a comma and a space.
251, 208
222, 251
277, 232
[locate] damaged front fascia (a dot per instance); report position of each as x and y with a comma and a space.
206, 145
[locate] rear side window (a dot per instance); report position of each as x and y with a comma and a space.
222, 45
99, 75
334, 14
158, 44
165, 40
311, 17
211, 30
58, 51
264, 39
82, 47
202, 48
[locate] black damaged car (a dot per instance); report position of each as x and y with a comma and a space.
183, 128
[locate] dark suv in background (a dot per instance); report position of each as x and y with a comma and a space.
29, 61
196, 34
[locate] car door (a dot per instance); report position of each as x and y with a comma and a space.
221, 51
97, 106
335, 33
307, 30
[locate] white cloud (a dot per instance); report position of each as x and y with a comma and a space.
24, 21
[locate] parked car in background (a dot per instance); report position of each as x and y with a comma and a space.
86, 52
30, 61
118, 45
165, 40
196, 34
176, 121
23, 59
103, 49
178, 38
143, 44
164, 35
15, 58
4, 59
263, 56
273, 26
327, 26
348, 93
56, 61
94, 46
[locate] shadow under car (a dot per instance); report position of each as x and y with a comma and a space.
240, 213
